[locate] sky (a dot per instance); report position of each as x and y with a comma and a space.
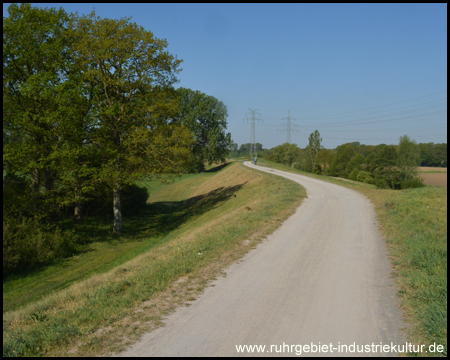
354, 72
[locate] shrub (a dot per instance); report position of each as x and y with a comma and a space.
412, 183
365, 177
381, 183
27, 243
317, 169
354, 175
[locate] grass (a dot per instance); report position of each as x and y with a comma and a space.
191, 231
414, 225
105, 251
432, 172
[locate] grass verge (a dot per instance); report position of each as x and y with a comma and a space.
197, 227
414, 225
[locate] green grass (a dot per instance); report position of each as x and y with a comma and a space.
414, 225
193, 229
105, 251
416, 228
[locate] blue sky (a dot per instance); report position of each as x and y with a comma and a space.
355, 72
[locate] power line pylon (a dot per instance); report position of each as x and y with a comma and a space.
252, 136
288, 126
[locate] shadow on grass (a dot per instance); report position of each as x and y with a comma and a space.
155, 220
162, 217
217, 168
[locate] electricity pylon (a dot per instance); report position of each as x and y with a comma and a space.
252, 136
288, 125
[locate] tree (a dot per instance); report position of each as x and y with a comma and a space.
340, 165
383, 164
324, 159
408, 158
42, 103
206, 117
314, 146
286, 154
130, 75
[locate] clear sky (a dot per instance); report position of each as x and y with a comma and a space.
355, 72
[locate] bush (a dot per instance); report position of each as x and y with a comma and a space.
317, 169
354, 175
412, 183
381, 183
27, 243
365, 177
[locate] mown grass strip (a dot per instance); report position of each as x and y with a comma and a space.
229, 214
414, 225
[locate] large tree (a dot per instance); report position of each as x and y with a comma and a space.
44, 107
314, 146
206, 117
408, 158
130, 74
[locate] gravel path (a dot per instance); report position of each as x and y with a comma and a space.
323, 278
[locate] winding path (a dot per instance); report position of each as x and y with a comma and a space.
323, 277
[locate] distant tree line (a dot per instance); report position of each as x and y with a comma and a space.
386, 166
89, 108
244, 149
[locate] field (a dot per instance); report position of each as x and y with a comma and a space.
434, 175
437, 179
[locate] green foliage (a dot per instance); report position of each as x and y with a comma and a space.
286, 154
433, 154
87, 101
365, 177
324, 159
412, 183
40, 95
317, 169
314, 146
408, 157
354, 174
134, 199
340, 166
206, 117
28, 243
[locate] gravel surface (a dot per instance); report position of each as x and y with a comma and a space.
323, 278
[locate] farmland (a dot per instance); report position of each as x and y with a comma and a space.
436, 176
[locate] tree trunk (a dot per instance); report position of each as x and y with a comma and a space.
78, 214
36, 183
117, 212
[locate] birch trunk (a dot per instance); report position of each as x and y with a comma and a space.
117, 212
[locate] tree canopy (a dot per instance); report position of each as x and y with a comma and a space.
206, 117
87, 101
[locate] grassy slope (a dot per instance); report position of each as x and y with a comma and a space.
193, 229
414, 225
103, 254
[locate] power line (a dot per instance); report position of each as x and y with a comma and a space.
288, 126
253, 136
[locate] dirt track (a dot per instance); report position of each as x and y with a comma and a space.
322, 277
